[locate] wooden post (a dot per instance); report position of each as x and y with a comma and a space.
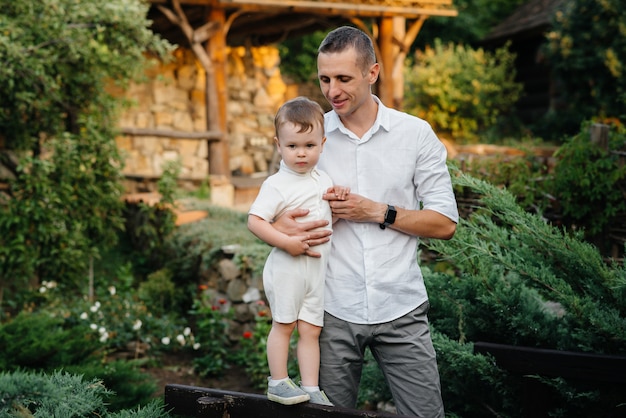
599, 134
217, 93
385, 45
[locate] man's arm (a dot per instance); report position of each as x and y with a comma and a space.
423, 223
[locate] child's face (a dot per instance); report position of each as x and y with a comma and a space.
300, 151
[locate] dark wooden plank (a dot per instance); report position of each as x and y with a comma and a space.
566, 364
192, 401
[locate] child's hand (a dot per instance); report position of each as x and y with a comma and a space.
340, 192
295, 246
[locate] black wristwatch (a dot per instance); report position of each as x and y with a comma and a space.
390, 217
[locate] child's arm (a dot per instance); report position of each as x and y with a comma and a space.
341, 193
266, 232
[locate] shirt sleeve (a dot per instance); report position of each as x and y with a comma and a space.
432, 178
268, 202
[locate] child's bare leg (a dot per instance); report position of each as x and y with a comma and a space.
278, 349
308, 350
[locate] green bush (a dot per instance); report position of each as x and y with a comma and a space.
589, 181
459, 90
62, 394
512, 278
43, 342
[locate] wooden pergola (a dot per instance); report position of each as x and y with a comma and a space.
208, 26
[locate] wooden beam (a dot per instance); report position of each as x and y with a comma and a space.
355, 8
556, 363
199, 402
166, 133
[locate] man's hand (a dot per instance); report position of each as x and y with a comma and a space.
356, 208
305, 231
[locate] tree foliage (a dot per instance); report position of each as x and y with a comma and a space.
58, 59
475, 19
460, 90
587, 50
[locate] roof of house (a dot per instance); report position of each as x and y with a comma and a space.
269, 21
531, 17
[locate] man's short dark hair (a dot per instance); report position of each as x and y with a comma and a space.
345, 37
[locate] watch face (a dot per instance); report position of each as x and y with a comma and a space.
390, 217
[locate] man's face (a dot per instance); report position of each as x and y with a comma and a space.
343, 83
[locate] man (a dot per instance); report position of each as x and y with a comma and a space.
395, 167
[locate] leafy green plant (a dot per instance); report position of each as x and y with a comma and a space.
158, 292
212, 335
590, 182
252, 353
460, 90
148, 226
57, 124
252, 349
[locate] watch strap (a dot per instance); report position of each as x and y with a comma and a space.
390, 217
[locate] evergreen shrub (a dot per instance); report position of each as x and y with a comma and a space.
507, 276
61, 394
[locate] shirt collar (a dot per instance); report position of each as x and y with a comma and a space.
383, 119
312, 172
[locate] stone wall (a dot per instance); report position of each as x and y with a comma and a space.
173, 99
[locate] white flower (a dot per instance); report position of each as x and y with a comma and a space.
137, 324
104, 337
187, 331
181, 339
196, 346
93, 327
42, 289
102, 330
112, 290
95, 307
50, 285
84, 315
165, 340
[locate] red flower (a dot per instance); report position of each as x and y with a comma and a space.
222, 301
262, 313
203, 287
215, 308
247, 335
